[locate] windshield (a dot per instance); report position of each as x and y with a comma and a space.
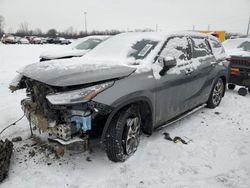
124, 47
245, 46
88, 44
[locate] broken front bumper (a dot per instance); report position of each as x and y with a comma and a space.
65, 126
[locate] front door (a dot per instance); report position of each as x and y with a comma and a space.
202, 65
173, 88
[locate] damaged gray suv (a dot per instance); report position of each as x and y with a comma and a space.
129, 84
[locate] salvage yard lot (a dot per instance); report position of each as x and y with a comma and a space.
218, 154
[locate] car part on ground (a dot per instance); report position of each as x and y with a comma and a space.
176, 139
130, 83
6, 148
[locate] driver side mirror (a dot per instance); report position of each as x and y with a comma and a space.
168, 63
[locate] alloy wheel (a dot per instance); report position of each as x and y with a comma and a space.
132, 137
218, 92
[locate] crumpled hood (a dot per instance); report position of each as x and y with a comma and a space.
70, 72
56, 54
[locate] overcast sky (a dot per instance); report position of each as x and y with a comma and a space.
230, 15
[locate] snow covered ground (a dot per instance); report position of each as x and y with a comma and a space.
218, 154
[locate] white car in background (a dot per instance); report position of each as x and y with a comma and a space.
8, 39
76, 49
23, 41
237, 46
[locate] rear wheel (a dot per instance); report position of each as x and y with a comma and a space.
216, 94
231, 86
242, 91
123, 135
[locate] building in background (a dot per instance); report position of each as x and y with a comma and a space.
219, 34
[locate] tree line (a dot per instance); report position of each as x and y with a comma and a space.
69, 33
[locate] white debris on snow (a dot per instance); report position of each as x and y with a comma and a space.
218, 154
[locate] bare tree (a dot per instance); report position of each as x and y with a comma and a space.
37, 32
1, 25
52, 33
24, 28
70, 32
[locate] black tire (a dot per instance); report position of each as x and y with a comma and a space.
242, 91
249, 90
216, 94
231, 86
119, 145
5, 156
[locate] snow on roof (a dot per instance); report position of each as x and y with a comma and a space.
118, 47
234, 43
232, 47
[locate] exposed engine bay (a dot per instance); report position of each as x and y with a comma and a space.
65, 114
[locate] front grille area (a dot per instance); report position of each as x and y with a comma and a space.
240, 62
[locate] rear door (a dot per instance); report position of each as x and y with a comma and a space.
203, 63
173, 89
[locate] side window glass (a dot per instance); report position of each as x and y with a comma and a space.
178, 48
200, 47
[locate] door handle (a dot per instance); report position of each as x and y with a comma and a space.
214, 64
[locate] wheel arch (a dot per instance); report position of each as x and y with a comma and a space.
145, 107
224, 79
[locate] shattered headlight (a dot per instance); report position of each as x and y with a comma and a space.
78, 96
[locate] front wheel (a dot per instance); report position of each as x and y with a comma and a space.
216, 94
123, 135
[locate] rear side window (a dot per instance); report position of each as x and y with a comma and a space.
200, 47
217, 49
178, 48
